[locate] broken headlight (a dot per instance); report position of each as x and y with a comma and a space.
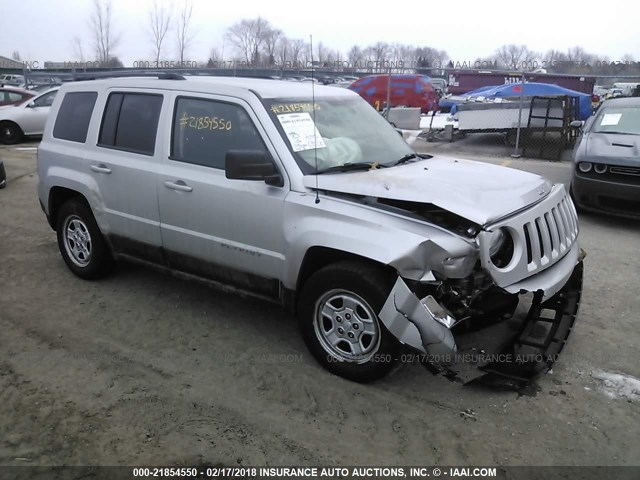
501, 247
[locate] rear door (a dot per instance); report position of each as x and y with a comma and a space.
124, 166
207, 220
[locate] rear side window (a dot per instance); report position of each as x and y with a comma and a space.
130, 122
74, 115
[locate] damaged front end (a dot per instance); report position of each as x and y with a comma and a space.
513, 314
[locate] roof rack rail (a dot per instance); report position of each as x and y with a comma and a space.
100, 75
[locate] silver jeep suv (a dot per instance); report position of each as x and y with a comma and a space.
305, 195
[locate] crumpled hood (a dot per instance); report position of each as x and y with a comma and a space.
613, 149
477, 191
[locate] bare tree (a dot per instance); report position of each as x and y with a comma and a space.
271, 38
159, 20
105, 38
321, 54
248, 37
516, 57
408, 57
307, 55
16, 56
183, 27
355, 56
430, 57
297, 49
578, 56
377, 54
78, 50
283, 51
215, 57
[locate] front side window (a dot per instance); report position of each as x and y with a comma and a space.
204, 130
72, 122
331, 132
130, 122
623, 120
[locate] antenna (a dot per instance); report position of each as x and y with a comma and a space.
313, 113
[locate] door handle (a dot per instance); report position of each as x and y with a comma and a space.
102, 168
179, 185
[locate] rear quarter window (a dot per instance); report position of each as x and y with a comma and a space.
72, 122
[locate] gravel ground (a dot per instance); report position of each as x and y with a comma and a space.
146, 368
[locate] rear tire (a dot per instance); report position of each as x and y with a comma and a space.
338, 318
80, 241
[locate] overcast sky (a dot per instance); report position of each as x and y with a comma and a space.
42, 30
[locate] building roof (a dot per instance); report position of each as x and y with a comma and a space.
9, 63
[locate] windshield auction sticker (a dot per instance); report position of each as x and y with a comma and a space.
301, 131
610, 119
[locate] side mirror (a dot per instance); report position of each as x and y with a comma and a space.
251, 165
577, 124
31, 105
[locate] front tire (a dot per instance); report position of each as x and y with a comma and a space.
338, 317
80, 241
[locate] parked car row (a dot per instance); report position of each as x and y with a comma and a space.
25, 119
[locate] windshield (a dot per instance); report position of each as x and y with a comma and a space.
340, 130
624, 120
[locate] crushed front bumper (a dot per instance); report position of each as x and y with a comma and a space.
521, 347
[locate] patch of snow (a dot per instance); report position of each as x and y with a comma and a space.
439, 121
617, 385
410, 136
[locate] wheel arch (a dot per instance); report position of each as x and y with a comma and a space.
58, 196
317, 257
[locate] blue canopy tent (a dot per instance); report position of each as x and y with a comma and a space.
531, 89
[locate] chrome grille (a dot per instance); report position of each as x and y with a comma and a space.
550, 235
542, 235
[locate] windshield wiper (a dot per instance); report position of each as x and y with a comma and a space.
349, 166
409, 156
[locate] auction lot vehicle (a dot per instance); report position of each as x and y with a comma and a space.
308, 197
9, 79
25, 119
606, 173
405, 90
13, 95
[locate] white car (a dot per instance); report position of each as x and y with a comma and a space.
14, 80
25, 119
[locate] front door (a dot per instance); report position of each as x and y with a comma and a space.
211, 225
